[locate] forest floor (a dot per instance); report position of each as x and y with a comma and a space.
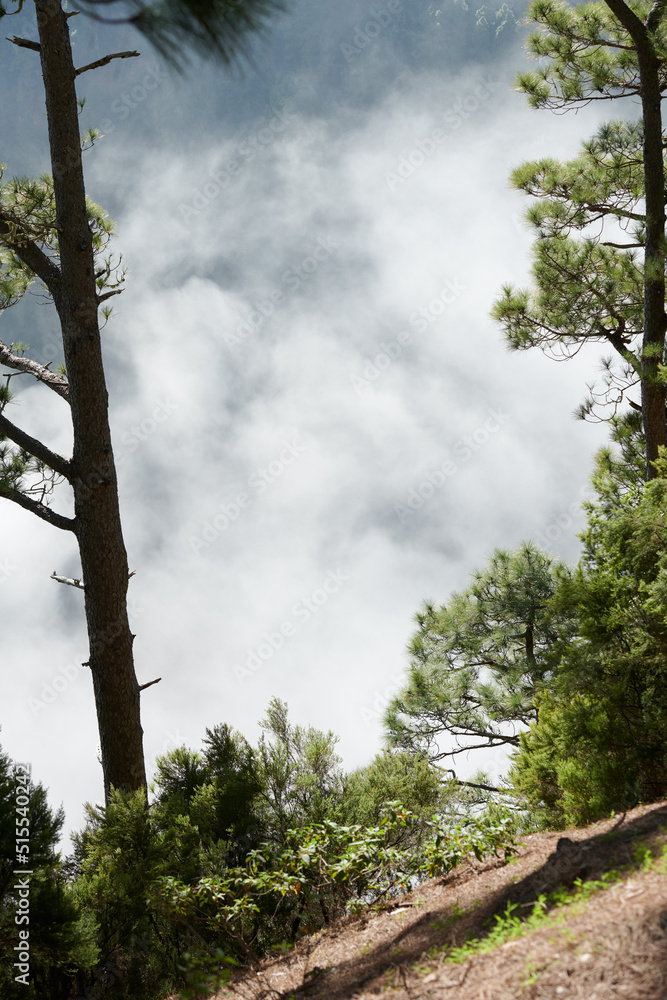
576, 914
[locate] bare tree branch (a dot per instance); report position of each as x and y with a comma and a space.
107, 295
40, 372
105, 61
25, 43
40, 510
75, 582
40, 451
474, 784
67, 580
142, 687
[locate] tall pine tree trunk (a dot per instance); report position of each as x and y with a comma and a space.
97, 514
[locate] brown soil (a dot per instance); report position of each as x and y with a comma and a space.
612, 945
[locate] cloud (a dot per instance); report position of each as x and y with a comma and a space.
257, 294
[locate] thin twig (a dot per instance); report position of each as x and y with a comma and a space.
142, 687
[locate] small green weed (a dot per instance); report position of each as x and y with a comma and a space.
643, 856
532, 973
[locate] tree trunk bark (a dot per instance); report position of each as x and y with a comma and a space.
653, 392
97, 514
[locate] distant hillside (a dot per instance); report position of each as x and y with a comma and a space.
608, 940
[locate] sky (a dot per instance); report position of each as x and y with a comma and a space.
316, 423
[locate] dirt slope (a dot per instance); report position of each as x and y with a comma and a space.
613, 944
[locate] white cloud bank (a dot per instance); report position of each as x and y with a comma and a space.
303, 353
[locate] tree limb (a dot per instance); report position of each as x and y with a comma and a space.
67, 580
41, 510
142, 687
474, 784
105, 61
40, 451
107, 295
25, 43
29, 367
31, 255
75, 582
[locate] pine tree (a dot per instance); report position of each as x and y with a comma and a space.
479, 662
60, 936
599, 741
52, 234
595, 289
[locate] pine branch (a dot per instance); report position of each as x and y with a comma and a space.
473, 784
40, 510
105, 61
40, 372
493, 740
633, 25
31, 255
40, 451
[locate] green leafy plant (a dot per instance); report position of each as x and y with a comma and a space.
322, 871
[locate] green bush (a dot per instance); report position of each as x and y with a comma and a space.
322, 871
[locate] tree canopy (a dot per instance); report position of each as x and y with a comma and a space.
479, 661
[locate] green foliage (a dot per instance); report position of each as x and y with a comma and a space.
586, 54
28, 214
61, 936
323, 870
212, 810
215, 789
163, 914
121, 853
204, 974
299, 771
585, 289
237, 795
590, 215
619, 470
479, 661
599, 742
391, 774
